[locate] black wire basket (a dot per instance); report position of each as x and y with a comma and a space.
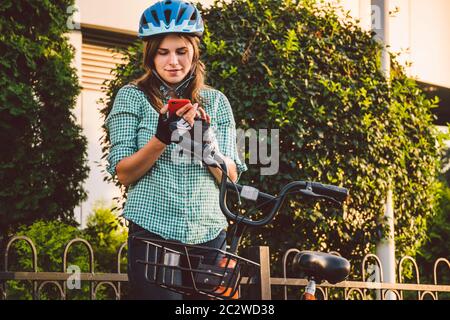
181, 268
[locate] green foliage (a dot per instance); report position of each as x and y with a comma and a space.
103, 233
106, 235
439, 231
298, 67
50, 239
42, 163
437, 244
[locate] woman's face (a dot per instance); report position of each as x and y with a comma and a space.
173, 59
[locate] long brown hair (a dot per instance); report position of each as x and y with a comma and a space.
150, 84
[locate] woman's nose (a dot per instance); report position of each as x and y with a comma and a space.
173, 59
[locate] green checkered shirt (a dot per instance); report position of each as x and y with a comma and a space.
178, 200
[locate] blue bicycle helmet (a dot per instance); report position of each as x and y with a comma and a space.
170, 16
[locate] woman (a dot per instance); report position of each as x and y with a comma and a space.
168, 198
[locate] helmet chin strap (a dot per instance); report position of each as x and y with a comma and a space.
178, 91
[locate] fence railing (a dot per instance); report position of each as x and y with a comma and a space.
371, 285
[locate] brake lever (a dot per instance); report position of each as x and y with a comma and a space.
310, 193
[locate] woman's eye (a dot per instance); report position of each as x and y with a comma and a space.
163, 53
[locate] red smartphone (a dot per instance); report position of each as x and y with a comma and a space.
175, 104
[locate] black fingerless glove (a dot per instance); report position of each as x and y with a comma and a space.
163, 133
166, 127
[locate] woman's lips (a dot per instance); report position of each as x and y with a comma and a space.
173, 72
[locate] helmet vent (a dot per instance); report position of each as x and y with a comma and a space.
143, 21
180, 14
194, 16
167, 15
155, 16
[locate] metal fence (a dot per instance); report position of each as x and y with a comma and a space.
371, 285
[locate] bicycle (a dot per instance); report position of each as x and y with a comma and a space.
222, 278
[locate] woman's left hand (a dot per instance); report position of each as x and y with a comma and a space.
203, 115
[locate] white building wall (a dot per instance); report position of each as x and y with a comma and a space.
419, 31
430, 40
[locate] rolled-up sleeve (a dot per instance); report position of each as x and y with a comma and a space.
122, 123
226, 133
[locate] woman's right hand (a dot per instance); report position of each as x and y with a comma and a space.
190, 113
163, 132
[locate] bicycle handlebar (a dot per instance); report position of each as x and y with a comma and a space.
327, 190
312, 189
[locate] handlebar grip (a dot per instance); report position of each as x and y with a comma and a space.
338, 193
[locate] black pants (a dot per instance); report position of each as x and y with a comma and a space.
142, 289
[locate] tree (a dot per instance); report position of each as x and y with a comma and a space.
43, 157
298, 67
